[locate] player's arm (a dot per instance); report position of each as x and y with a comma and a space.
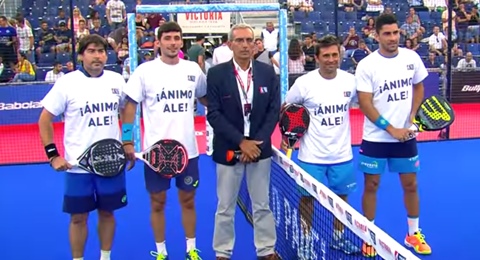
273, 110
365, 98
54, 104
215, 116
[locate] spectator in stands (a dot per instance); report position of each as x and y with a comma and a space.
116, 13
437, 41
352, 5
8, 42
434, 4
222, 53
25, 39
309, 51
445, 17
60, 18
360, 53
69, 67
46, 39
160, 22
24, 71
82, 30
474, 25
116, 36
98, 29
154, 20
122, 51
467, 64
94, 15
409, 44
462, 24
296, 58
270, 37
55, 73
140, 26
432, 61
375, 6
351, 42
411, 30
77, 17
369, 31
63, 37
260, 53
196, 52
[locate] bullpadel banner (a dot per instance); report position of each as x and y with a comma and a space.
465, 87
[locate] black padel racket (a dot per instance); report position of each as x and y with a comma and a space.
105, 158
166, 157
434, 114
294, 122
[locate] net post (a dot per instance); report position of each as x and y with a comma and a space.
132, 50
283, 21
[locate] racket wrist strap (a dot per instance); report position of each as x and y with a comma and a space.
127, 132
51, 151
381, 123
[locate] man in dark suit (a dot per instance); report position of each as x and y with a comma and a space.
243, 109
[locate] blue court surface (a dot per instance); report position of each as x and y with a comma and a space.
32, 225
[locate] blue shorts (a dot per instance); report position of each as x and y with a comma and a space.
187, 181
87, 192
401, 157
340, 177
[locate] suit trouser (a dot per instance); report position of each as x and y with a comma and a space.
229, 179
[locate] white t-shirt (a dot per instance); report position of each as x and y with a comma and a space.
328, 139
222, 54
168, 93
90, 106
391, 82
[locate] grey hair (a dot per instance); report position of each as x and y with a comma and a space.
237, 27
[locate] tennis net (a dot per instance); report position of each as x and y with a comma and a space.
294, 241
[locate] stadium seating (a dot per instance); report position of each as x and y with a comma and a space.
322, 20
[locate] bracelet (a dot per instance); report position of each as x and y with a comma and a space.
381, 123
127, 132
127, 143
51, 151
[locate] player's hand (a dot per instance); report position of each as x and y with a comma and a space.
284, 145
250, 148
60, 164
130, 155
401, 134
244, 159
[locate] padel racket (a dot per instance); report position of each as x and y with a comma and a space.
166, 157
105, 158
434, 114
294, 122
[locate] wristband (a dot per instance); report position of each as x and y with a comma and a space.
127, 132
381, 123
51, 151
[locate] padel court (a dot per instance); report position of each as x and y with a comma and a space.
32, 225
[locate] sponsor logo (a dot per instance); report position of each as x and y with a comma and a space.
20, 105
360, 226
373, 237
372, 165
349, 217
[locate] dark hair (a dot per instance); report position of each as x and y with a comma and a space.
94, 39
168, 27
224, 38
385, 19
327, 41
308, 36
55, 63
294, 49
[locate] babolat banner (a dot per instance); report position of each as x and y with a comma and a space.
465, 87
20, 104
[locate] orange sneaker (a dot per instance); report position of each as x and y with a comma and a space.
368, 250
418, 243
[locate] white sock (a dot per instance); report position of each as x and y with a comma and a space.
104, 255
80, 258
337, 234
412, 225
191, 244
161, 248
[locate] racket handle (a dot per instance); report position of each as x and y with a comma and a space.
73, 163
289, 153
